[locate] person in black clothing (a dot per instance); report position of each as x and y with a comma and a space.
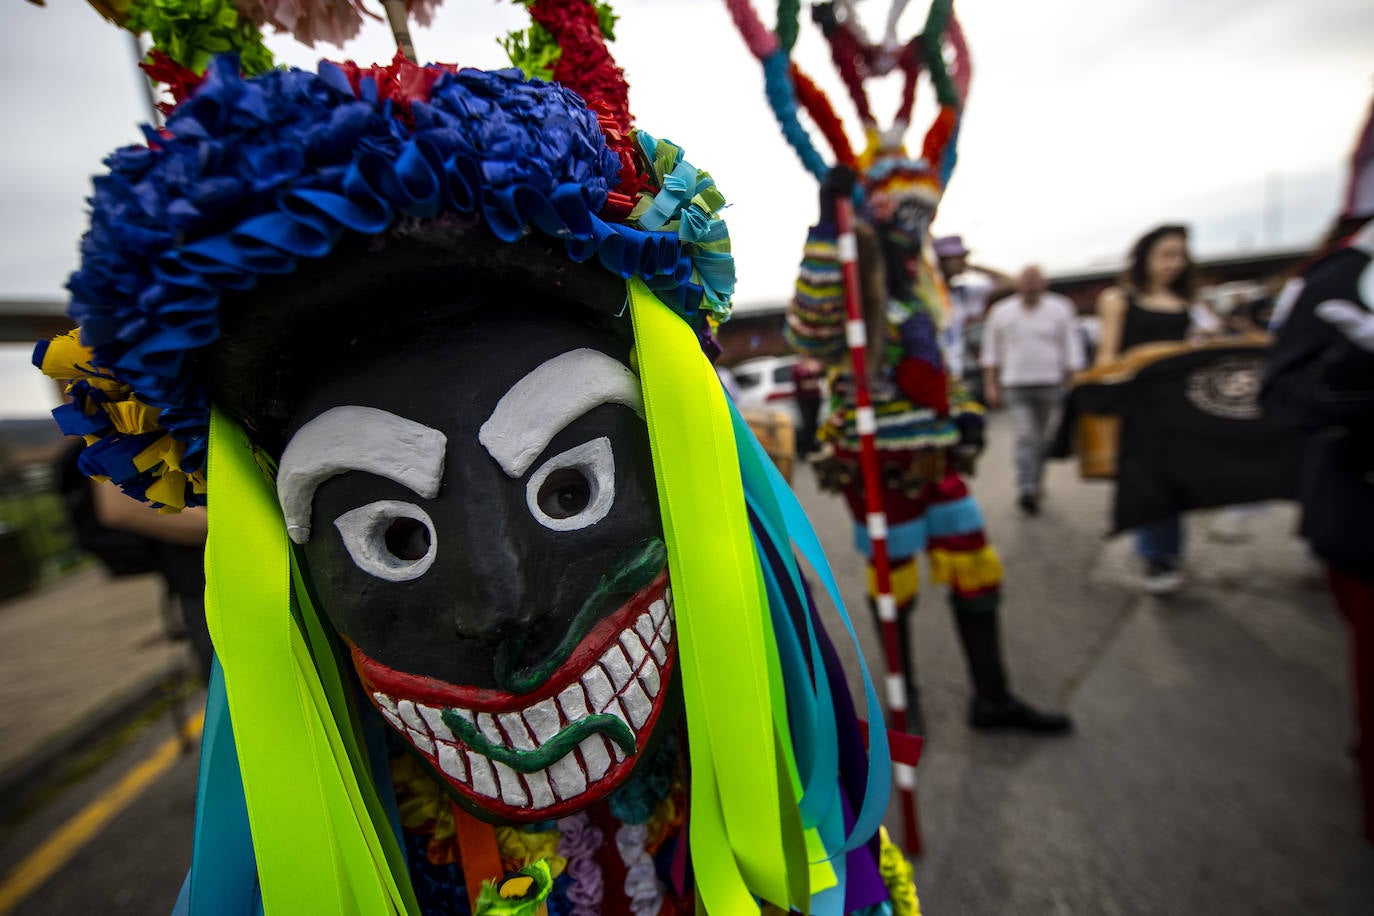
1320, 378
1152, 303
130, 538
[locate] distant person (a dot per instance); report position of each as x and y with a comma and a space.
132, 538
1089, 326
1153, 303
806, 379
1031, 346
971, 288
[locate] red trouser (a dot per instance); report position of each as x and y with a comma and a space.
1355, 597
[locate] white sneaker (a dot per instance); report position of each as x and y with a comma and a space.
1162, 578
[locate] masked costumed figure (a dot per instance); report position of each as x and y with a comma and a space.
502, 591
928, 431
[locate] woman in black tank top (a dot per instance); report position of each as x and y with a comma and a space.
1150, 305
1142, 325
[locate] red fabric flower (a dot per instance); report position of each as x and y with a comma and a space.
924, 384
180, 81
402, 81
586, 66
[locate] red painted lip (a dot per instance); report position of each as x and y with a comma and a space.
611, 780
398, 687
434, 692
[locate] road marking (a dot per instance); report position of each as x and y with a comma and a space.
81, 828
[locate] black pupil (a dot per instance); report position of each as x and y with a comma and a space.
564, 493
407, 539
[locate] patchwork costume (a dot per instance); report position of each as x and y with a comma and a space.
926, 429
503, 593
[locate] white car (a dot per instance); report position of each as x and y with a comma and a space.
766, 381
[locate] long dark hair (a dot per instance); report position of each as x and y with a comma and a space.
1137, 270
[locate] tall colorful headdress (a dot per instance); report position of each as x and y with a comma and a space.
253, 179
888, 323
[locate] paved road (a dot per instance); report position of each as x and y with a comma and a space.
1210, 771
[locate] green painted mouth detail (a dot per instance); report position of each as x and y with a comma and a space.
632, 570
556, 747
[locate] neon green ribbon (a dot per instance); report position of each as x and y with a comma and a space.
744, 842
319, 834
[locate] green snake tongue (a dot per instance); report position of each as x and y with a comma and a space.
631, 571
553, 749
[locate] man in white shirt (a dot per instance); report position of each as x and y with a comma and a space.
1030, 349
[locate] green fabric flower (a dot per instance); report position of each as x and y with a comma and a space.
192, 31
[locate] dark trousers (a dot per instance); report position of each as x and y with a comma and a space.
1355, 597
809, 408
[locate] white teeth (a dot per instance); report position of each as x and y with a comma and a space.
633, 647
659, 651
617, 666
541, 791
637, 704
649, 677
420, 740
542, 719
435, 720
623, 682
483, 776
645, 627
599, 689
596, 754
395, 720
486, 724
451, 762
519, 735
573, 702
568, 779
409, 716
512, 790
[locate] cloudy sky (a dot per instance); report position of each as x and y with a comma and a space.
1087, 123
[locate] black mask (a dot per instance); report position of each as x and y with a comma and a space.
478, 519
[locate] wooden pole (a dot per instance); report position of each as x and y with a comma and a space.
400, 27
865, 421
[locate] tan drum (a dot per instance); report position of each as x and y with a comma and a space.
774, 430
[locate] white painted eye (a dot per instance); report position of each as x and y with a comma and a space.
574, 489
389, 539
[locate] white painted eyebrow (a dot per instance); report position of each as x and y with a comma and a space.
353, 438
550, 397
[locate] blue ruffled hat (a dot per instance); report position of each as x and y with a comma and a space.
254, 175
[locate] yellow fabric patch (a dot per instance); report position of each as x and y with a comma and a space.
966, 570
517, 887
68, 360
132, 417
521, 847
906, 581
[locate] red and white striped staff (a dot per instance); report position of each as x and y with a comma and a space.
866, 422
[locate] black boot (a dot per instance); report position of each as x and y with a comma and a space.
915, 722
994, 707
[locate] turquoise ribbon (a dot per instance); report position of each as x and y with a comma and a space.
761, 478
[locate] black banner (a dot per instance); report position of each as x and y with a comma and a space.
1193, 434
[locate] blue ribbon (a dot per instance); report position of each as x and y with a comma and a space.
761, 477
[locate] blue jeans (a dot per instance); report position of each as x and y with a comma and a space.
1161, 540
